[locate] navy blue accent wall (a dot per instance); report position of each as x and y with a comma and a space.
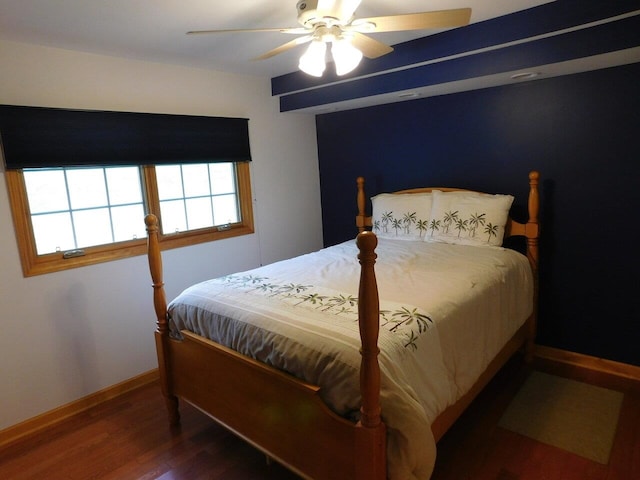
582, 132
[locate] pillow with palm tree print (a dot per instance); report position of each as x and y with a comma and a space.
402, 216
468, 218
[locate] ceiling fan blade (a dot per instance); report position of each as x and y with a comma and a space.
283, 48
414, 21
369, 47
295, 31
341, 9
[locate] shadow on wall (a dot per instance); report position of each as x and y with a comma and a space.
75, 336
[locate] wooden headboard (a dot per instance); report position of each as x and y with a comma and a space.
530, 230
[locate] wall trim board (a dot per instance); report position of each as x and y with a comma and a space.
37, 424
578, 366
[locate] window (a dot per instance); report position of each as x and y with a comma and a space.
74, 208
67, 217
197, 196
81, 181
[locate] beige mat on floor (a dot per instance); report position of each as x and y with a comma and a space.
567, 414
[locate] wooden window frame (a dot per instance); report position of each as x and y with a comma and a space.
34, 264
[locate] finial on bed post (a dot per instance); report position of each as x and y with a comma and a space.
369, 319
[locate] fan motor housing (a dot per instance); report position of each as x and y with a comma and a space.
307, 11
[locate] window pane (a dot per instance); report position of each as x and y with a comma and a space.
128, 222
47, 190
93, 227
169, 180
45, 220
80, 225
210, 196
199, 214
195, 180
124, 185
225, 209
173, 216
223, 178
53, 232
87, 188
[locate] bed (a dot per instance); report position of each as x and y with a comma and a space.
318, 362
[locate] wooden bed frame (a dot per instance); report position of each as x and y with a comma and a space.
284, 416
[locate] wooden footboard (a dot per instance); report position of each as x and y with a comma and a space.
274, 411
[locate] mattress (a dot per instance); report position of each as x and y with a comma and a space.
446, 311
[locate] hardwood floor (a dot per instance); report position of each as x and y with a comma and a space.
476, 448
128, 438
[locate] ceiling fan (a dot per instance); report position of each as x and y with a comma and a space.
333, 22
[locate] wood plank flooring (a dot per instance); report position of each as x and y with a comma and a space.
128, 438
476, 448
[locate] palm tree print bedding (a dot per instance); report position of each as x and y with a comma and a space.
408, 321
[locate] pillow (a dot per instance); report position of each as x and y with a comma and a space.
402, 216
468, 218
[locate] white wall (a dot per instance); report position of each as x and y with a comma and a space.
66, 335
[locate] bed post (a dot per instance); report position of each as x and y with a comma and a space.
532, 232
373, 466
160, 306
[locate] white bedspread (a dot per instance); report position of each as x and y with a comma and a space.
446, 310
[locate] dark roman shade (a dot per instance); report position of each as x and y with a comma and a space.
54, 137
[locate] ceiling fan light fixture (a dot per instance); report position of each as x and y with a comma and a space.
345, 55
312, 61
335, 22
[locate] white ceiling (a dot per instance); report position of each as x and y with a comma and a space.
154, 30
